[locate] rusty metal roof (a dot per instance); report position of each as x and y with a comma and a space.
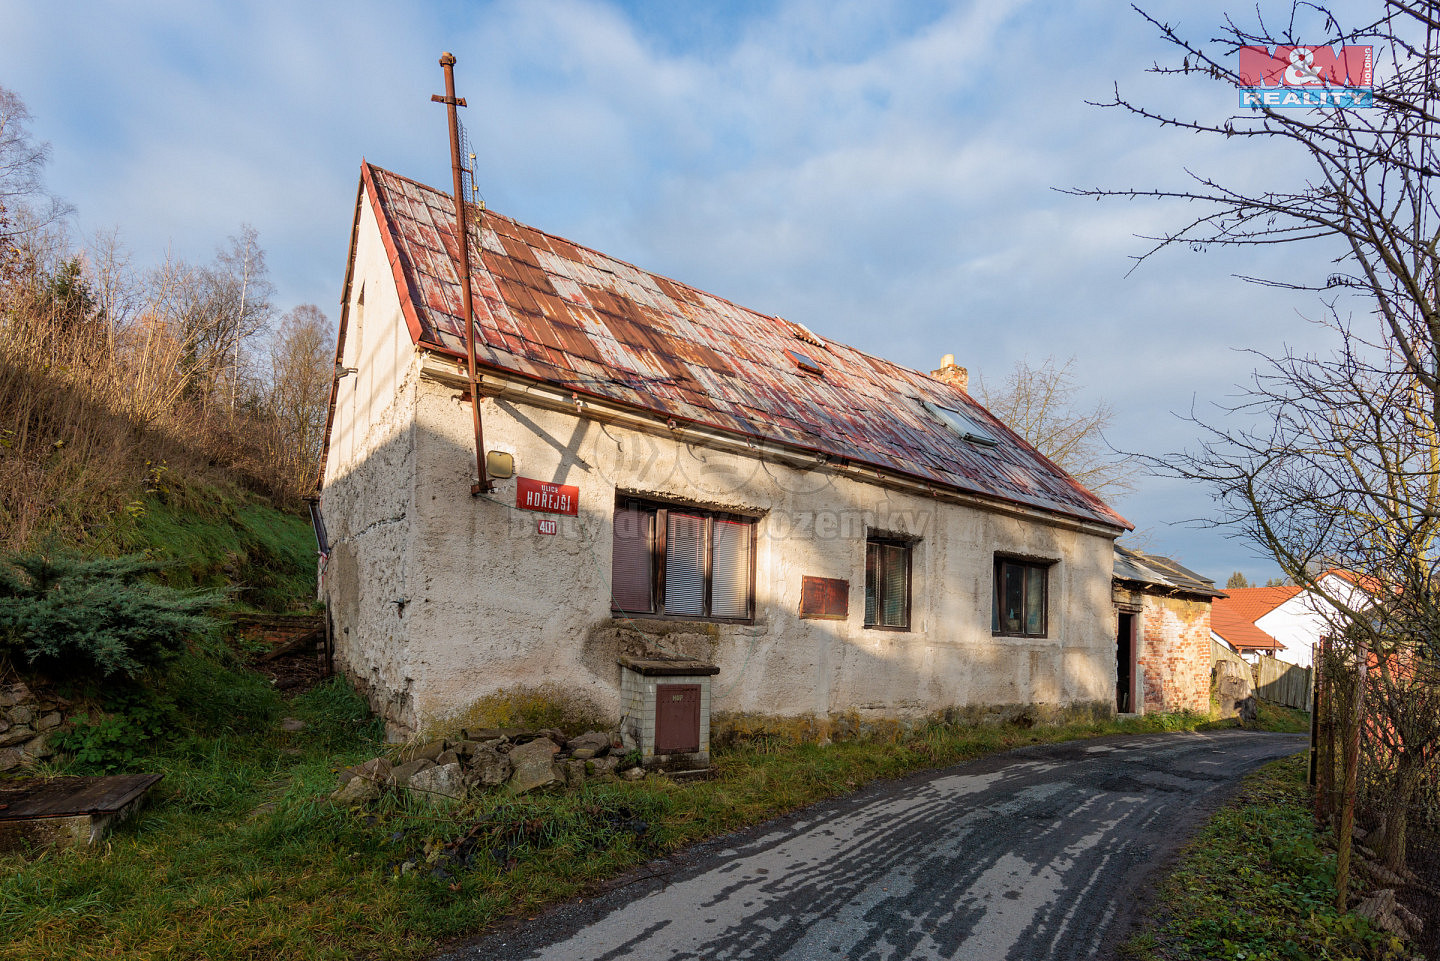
551, 310
1152, 570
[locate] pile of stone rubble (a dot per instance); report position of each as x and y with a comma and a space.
515, 760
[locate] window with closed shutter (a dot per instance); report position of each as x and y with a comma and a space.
730, 569
682, 562
685, 564
632, 572
887, 584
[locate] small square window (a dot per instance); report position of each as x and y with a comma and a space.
887, 584
1020, 606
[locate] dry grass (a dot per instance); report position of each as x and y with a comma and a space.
93, 417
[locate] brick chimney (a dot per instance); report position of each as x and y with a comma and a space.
951, 373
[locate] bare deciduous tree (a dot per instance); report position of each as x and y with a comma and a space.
24, 205
1333, 459
1041, 404
302, 365
219, 311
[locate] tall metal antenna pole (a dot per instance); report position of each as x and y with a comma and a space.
462, 235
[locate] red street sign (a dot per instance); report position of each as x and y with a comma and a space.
533, 495
548, 526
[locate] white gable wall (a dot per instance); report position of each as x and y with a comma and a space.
1304, 619
369, 488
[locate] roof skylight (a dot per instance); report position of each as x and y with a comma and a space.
806, 363
967, 427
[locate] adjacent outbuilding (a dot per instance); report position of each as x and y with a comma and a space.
1162, 639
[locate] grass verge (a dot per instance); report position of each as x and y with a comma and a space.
241, 854
1258, 884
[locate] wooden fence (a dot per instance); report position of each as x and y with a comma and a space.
1283, 683
1273, 680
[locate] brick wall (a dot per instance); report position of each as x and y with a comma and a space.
1174, 651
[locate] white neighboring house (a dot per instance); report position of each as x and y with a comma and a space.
1283, 622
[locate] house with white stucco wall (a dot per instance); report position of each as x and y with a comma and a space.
1284, 622
668, 474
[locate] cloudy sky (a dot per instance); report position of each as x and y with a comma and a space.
884, 173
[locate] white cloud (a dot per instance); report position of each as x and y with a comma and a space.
882, 172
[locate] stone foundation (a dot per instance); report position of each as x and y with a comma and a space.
27, 721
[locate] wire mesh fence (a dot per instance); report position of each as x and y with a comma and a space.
1422, 896
1374, 766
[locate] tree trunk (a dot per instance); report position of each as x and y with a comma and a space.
1345, 834
1408, 771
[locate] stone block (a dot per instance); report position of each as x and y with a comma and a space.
491, 733
18, 734
441, 780
357, 790
602, 768
574, 773
21, 714
375, 769
592, 743
49, 722
401, 774
489, 768
430, 751
534, 765
10, 758
448, 757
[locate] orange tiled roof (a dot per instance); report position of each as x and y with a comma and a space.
1234, 617
551, 310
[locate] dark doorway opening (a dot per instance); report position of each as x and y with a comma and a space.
1125, 664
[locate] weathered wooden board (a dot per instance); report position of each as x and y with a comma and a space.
69, 796
67, 811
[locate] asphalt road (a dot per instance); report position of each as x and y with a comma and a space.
1039, 853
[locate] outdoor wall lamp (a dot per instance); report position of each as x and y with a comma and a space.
499, 464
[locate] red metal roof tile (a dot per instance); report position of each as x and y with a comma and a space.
549, 309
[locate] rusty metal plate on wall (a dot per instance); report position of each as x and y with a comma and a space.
824, 597
677, 718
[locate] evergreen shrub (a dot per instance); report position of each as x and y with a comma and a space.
76, 618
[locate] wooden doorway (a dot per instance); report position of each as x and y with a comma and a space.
1125, 663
